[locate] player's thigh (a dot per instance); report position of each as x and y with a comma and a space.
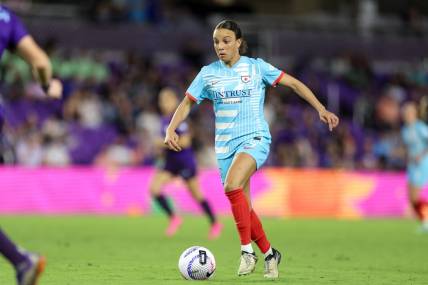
417, 176
241, 169
160, 178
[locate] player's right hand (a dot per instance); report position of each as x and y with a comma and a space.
171, 140
55, 89
329, 118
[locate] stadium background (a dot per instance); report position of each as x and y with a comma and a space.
362, 58
74, 173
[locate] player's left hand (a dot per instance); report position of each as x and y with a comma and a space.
329, 118
55, 89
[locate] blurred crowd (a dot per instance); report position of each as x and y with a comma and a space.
109, 111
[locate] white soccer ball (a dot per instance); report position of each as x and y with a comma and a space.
197, 263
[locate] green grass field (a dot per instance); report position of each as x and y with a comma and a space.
126, 251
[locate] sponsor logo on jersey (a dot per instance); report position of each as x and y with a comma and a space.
231, 94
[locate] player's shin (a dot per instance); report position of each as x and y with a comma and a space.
241, 214
258, 234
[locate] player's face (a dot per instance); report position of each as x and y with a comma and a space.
410, 113
226, 45
167, 101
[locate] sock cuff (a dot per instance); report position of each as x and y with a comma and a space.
235, 193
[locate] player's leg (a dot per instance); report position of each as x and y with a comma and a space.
216, 227
160, 179
239, 172
10, 251
417, 175
28, 266
413, 193
419, 205
258, 148
258, 235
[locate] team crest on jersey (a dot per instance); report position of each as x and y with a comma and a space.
246, 78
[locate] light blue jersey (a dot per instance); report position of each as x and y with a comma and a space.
238, 95
415, 138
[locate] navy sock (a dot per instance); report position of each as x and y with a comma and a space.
10, 250
164, 204
208, 211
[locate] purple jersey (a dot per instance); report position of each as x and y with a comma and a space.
181, 163
11, 30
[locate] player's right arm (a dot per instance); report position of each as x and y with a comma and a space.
183, 110
41, 66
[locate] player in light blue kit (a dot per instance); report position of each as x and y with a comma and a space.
415, 137
236, 85
14, 36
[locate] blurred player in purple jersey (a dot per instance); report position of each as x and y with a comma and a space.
237, 85
415, 137
14, 37
181, 164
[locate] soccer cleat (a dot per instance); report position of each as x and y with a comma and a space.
248, 263
174, 224
215, 230
271, 264
28, 273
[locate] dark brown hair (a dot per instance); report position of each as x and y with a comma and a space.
234, 27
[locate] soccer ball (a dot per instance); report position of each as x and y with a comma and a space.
196, 263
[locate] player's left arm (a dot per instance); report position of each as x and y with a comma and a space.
30, 51
303, 91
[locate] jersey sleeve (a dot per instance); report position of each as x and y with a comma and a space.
270, 74
197, 91
18, 31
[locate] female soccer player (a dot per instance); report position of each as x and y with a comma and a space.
13, 36
179, 164
236, 85
415, 137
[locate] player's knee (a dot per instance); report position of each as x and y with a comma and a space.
231, 185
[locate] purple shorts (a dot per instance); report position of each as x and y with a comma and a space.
181, 164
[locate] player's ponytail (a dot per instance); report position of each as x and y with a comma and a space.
243, 47
234, 27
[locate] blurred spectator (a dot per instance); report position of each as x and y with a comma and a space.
29, 149
55, 152
119, 153
85, 107
367, 14
412, 20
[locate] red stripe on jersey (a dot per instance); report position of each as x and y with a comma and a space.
191, 97
278, 79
